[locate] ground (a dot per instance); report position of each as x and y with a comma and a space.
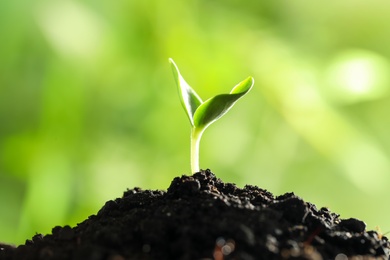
201, 217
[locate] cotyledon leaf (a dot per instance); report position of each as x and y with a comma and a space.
215, 107
188, 97
202, 114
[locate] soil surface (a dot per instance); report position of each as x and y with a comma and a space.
200, 217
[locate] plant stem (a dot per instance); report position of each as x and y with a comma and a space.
196, 134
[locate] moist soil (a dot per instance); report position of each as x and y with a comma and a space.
201, 217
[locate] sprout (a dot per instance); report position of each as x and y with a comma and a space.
203, 113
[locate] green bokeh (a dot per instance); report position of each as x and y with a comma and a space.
89, 106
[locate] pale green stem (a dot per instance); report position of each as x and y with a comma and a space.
196, 134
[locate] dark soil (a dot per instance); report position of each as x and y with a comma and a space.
200, 217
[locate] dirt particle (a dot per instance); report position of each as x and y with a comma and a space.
146, 248
45, 253
116, 257
341, 257
353, 225
66, 233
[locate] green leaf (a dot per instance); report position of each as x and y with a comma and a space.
213, 108
202, 114
188, 97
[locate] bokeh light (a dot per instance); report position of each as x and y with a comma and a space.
356, 76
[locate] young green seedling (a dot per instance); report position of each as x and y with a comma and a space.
203, 113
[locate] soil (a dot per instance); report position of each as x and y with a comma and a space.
200, 217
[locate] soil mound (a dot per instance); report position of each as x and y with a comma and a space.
200, 217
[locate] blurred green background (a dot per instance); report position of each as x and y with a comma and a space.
89, 106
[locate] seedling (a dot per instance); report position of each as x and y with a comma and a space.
203, 113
